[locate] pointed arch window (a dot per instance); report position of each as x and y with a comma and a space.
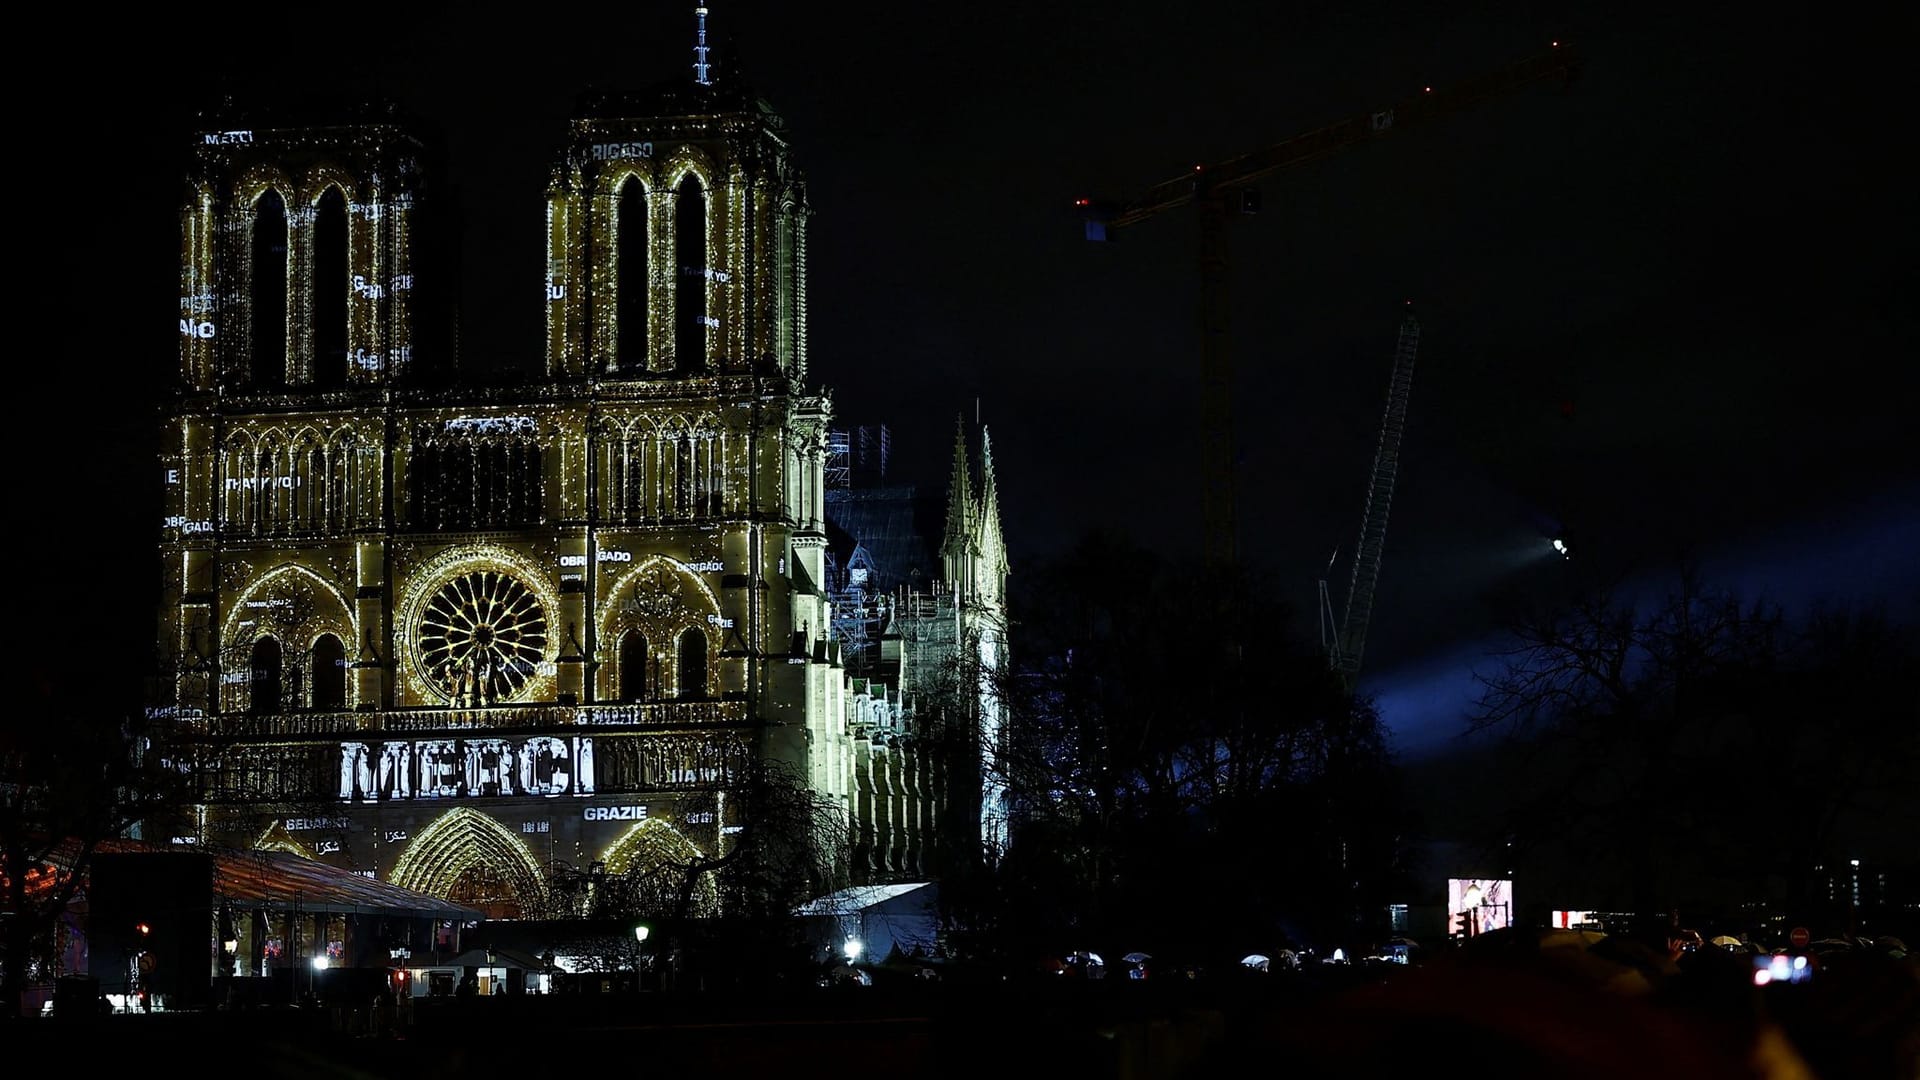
264, 676
331, 284
690, 286
683, 462
268, 352
630, 275
693, 663
329, 673
633, 666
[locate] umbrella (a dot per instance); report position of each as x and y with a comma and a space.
1136, 958
1255, 961
1727, 941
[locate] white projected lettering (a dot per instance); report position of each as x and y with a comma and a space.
262, 483
710, 566
492, 425
604, 555
326, 847
614, 813
197, 304
180, 522
720, 621
202, 329
617, 150
227, 138
372, 210
708, 272
536, 826
370, 290
708, 320
556, 292
305, 824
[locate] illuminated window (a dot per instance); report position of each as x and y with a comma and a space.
258, 494
330, 286
264, 678
310, 494
339, 461
683, 486
690, 289
626, 492
633, 666
693, 664
329, 673
630, 276
269, 309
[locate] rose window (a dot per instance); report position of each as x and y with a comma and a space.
482, 637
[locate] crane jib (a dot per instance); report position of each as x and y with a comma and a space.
1216, 179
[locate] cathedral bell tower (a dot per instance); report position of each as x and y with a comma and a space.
298, 256
676, 237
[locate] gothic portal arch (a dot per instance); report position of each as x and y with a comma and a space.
654, 857
277, 838
663, 598
296, 606
468, 857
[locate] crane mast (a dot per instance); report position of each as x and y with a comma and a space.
1224, 190
1349, 643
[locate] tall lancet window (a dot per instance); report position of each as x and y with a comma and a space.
633, 666
269, 344
263, 677
630, 275
329, 673
693, 664
330, 285
690, 291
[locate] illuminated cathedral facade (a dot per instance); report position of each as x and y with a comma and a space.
458, 634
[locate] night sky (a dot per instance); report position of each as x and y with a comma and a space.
1669, 310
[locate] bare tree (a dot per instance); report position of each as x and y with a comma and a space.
1700, 745
65, 788
1167, 737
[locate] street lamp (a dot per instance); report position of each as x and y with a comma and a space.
852, 949
641, 931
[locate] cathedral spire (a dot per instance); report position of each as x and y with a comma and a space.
957, 545
987, 537
701, 69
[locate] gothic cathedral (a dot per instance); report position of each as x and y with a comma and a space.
457, 632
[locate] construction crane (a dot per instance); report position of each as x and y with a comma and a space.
1347, 640
1223, 190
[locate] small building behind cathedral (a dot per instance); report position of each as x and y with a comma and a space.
459, 632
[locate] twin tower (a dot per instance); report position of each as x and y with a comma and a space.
313, 259
470, 611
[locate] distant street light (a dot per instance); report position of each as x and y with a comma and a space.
852, 949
